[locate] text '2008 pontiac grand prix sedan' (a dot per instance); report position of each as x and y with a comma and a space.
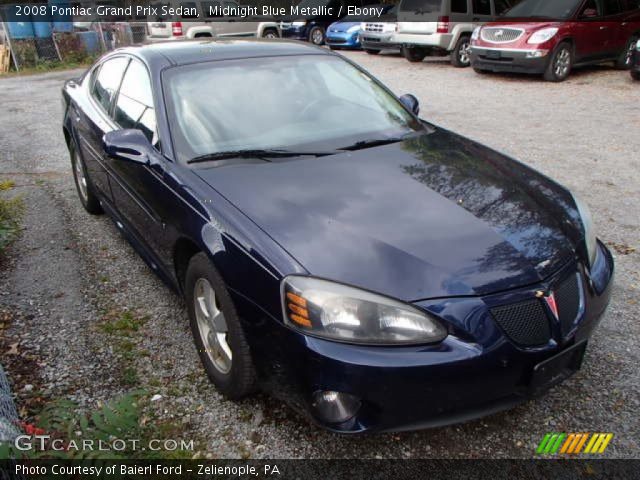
378, 274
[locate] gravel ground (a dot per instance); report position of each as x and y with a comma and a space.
71, 274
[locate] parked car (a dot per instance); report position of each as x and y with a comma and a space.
214, 25
443, 27
378, 274
345, 33
553, 37
635, 64
312, 25
379, 34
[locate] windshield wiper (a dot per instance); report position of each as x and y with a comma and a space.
375, 142
254, 153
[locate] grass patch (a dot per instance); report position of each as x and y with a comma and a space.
124, 324
10, 212
51, 66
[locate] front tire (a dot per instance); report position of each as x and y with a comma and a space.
84, 187
461, 54
560, 64
316, 36
626, 57
414, 55
217, 332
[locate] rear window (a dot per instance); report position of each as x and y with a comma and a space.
458, 6
557, 9
422, 6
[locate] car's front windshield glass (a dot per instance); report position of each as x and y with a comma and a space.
557, 9
307, 102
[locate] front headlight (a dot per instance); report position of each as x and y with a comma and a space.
542, 36
338, 312
299, 23
354, 28
476, 33
591, 243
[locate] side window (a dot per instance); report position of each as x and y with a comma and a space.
108, 81
211, 9
458, 6
611, 7
482, 7
134, 107
590, 9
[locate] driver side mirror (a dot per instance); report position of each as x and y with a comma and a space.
130, 145
411, 102
589, 13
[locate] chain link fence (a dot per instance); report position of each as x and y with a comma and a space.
78, 45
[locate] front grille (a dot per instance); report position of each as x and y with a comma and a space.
370, 39
374, 27
336, 40
568, 302
501, 35
525, 323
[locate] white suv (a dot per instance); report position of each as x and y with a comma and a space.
442, 27
213, 25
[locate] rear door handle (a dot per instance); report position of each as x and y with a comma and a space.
603, 28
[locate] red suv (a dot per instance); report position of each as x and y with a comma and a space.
550, 37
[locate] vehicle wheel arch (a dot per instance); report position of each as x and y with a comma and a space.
183, 250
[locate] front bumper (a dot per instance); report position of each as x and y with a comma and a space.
294, 33
506, 60
477, 370
343, 39
378, 41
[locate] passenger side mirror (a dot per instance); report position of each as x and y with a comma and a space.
589, 13
411, 103
130, 145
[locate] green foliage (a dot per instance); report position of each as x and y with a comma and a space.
118, 419
124, 324
10, 212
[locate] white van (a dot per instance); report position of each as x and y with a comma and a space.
442, 27
213, 25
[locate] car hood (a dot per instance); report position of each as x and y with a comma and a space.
433, 216
527, 24
342, 26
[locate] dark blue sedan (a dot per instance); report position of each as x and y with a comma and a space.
379, 274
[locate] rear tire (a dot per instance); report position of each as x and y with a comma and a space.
560, 63
270, 33
316, 36
209, 303
414, 55
626, 57
372, 52
635, 74
84, 187
461, 54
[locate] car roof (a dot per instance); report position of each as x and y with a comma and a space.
199, 51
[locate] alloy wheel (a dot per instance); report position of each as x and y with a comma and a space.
270, 34
464, 54
629, 54
562, 63
81, 179
212, 326
317, 37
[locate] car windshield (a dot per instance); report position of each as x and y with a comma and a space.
297, 103
543, 8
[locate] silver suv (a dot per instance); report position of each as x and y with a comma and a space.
379, 34
213, 26
442, 27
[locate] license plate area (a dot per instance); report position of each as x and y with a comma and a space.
557, 368
493, 54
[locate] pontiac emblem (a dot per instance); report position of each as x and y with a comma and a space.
551, 303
